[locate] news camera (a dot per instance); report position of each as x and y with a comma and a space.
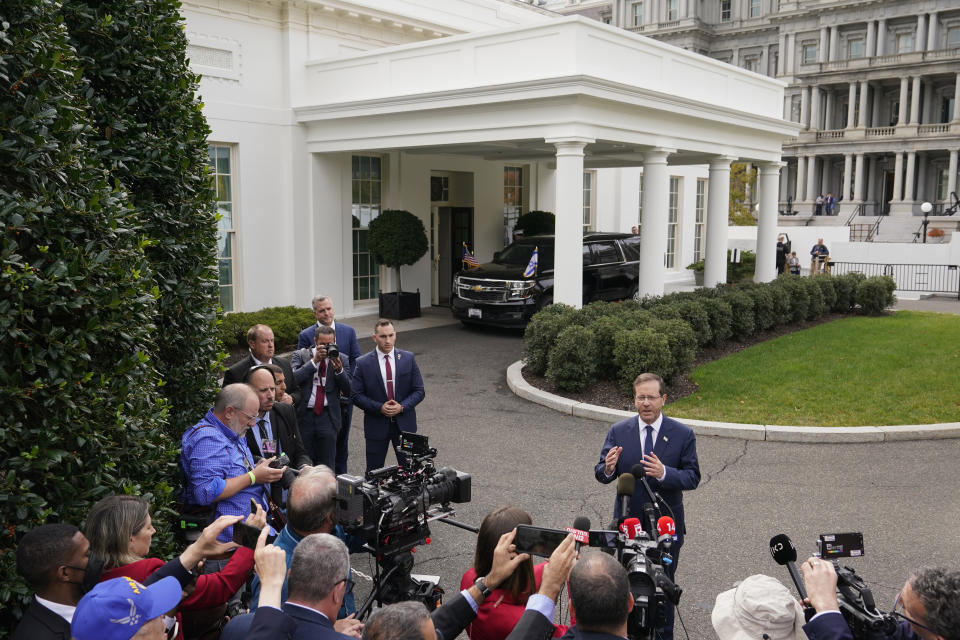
856, 600
391, 508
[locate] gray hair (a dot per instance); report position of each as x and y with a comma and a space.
312, 499
939, 591
233, 395
320, 562
400, 621
316, 299
649, 377
110, 524
599, 590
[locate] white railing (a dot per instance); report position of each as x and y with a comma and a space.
931, 129
879, 132
830, 134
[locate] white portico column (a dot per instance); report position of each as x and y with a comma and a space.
718, 219
766, 269
851, 105
812, 178
915, 101
847, 171
902, 116
653, 221
858, 180
898, 178
956, 98
911, 176
864, 86
568, 274
801, 183
952, 173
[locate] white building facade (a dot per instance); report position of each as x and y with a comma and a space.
466, 113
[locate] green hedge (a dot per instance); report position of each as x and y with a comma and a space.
663, 335
286, 322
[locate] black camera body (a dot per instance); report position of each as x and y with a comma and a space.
390, 509
333, 351
289, 475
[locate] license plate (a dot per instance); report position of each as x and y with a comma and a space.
474, 313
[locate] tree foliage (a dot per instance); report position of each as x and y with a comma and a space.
535, 223
743, 183
396, 238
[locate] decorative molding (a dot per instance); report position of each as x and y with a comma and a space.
215, 56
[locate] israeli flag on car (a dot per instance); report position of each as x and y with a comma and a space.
531, 269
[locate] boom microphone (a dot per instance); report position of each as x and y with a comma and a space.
784, 553
626, 485
640, 475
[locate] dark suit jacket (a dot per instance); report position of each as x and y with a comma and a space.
676, 446
337, 384
239, 370
534, 626
345, 336
311, 625
453, 617
40, 623
832, 626
369, 393
266, 624
283, 423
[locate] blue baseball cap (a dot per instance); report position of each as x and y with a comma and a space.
117, 608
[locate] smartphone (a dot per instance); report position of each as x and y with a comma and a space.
538, 541
603, 539
245, 535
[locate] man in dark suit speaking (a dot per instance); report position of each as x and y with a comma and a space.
388, 387
666, 449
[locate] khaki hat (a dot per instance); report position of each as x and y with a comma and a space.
759, 607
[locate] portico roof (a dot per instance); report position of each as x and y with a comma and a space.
508, 94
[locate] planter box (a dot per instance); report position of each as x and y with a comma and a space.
400, 305
698, 278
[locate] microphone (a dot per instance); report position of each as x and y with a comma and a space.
666, 532
582, 525
626, 485
784, 553
630, 527
640, 474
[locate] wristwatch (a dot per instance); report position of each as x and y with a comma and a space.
481, 584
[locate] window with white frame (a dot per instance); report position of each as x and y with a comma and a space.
809, 53
855, 48
953, 37
221, 164
673, 212
673, 9
588, 193
512, 200
700, 220
904, 42
366, 182
751, 63
637, 11
943, 181
754, 8
725, 15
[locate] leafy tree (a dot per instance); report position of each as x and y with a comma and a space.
151, 135
743, 183
80, 409
535, 223
396, 238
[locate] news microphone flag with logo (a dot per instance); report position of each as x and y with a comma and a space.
468, 259
531, 269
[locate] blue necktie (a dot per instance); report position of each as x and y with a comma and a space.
648, 441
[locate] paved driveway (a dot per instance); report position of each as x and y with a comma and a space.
902, 496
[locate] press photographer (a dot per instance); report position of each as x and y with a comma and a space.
928, 606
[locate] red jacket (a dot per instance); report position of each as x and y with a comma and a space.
500, 613
213, 589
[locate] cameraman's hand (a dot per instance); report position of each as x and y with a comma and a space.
505, 560
319, 353
337, 365
820, 580
349, 626
270, 563
558, 568
258, 518
207, 544
263, 473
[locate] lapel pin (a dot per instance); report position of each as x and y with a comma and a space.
665, 439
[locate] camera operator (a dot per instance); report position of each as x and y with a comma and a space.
928, 605
395, 621
322, 381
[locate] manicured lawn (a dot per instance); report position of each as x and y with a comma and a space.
898, 369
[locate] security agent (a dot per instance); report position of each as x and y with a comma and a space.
928, 605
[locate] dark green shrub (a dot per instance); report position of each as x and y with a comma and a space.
721, 319
640, 350
542, 332
828, 289
846, 288
736, 271
816, 307
572, 361
781, 302
152, 136
397, 238
799, 296
764, 310
875, 294
694, 313
286, 322
81, 412
741, 306
594, 310
665, 312
682, 342
535, 223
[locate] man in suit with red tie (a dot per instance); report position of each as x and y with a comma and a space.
322, 380
667, 451
388, 387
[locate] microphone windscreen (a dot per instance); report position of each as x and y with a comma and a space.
638, 471
582, 523
666, 526
631, 525
626, 484
782, 549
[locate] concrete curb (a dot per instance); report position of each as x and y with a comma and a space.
771, 432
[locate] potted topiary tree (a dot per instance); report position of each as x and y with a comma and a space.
396, 238
534, 223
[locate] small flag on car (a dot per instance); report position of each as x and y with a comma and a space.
531, 269
468, 260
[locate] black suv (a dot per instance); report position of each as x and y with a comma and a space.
497, 293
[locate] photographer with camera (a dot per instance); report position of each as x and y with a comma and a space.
928, 605
323, 376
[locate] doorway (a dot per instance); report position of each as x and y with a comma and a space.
887, 192
453, 227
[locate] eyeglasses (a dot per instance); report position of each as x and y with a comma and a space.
646, 398
173, 630
349, 584
250, 418
898, 611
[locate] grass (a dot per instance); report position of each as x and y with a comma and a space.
903, 368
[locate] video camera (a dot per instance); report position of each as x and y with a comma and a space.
391, 510
856, 600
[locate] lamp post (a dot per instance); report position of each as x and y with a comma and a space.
926, 208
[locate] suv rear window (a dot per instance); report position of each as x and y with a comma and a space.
605, 252
631, 248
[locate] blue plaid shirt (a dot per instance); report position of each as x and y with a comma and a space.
210, 454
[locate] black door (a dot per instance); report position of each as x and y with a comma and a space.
459, 221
